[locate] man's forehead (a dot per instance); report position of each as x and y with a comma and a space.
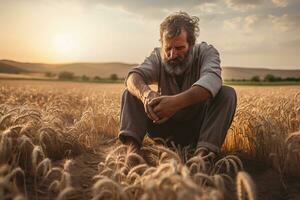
181, 38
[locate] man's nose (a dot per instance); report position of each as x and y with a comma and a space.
173, 54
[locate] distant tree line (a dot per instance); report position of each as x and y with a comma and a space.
269, 78
65, 75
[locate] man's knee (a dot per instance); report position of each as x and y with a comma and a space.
126, 93
127, 97
228, 95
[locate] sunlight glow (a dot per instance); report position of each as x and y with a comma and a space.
65, 43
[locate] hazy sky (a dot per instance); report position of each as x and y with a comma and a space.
249, 33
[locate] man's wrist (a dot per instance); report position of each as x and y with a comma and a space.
195, 94
146, 93
185, 99
179, 100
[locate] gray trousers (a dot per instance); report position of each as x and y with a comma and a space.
205, 124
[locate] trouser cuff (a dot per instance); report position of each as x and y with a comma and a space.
209, 146
124, 134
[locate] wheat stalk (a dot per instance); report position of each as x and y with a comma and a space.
245, 187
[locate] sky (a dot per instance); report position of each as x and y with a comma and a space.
247, 33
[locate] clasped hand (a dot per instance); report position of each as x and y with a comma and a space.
160, 108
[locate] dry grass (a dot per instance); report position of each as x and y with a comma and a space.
266, 126
59, 143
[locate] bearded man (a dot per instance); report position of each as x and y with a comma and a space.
191, 107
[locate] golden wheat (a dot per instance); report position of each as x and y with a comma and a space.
43, 130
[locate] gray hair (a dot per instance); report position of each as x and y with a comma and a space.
174, 23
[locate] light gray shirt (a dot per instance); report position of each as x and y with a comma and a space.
205, 71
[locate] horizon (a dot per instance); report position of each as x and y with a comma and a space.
117, 62
248, 34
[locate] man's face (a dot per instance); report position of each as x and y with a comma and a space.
175, 53
176, 48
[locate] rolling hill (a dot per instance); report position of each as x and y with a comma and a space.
89, 69
106, 69
229, 73
11, 69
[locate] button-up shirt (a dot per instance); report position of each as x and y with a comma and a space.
205, 71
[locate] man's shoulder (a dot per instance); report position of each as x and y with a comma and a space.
155, 55
203, 46
156, 51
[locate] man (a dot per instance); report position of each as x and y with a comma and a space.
191, 107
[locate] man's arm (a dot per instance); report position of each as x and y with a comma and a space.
207, 86
137, 87
210, 71
194, 95
166, 106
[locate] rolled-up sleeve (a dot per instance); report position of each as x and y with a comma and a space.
210, 71
149, 69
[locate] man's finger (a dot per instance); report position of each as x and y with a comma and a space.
155, 101
162, 120
152, 114
147, 112
157, 109
149, 116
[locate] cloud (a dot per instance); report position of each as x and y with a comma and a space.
243, 24
293, 43
209, 8
286, 22
243, 5
233, 24
249, 24
151, 9
280, 3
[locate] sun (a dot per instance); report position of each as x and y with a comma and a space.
64, 43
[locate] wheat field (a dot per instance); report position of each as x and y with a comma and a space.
58, 141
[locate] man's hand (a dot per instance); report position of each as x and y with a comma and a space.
146, 99
165, 107
137, 87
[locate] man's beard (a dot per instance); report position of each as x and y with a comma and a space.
178, 65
